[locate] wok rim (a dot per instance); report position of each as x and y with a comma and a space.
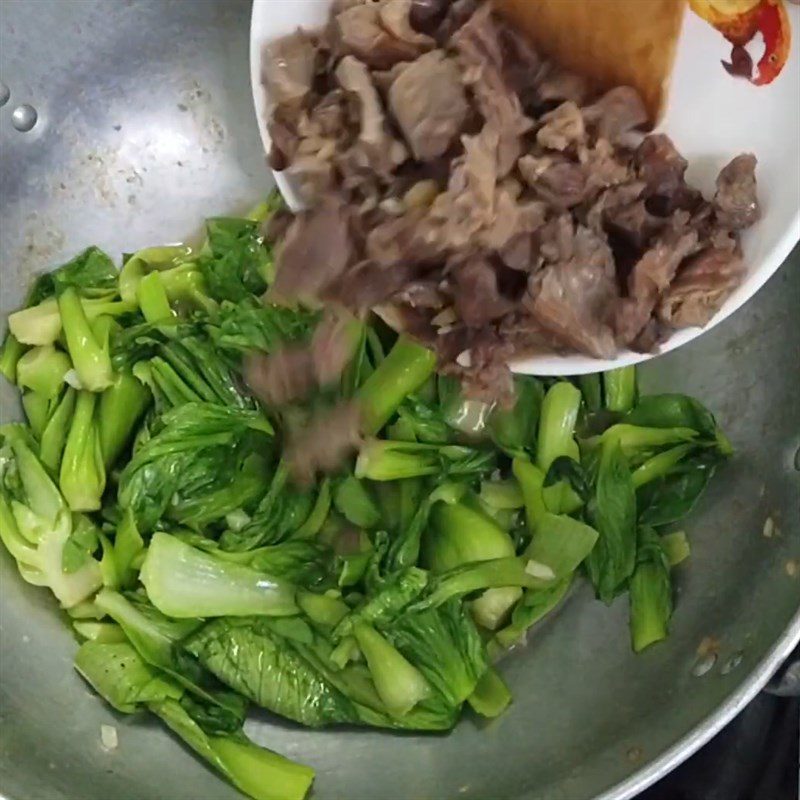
663, 764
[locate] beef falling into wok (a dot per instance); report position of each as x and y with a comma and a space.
492, 204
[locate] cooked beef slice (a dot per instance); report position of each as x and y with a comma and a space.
700, 288
428, 101
735, 202
317, 249
571, 299
619, 111
361, 31
487, 199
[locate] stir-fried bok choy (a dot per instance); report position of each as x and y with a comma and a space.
239, 502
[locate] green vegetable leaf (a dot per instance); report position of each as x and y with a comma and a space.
322, 609
237, 263
197, 465
502, 495
445, 646
397, 592
282, 511
103, 632
422, 422
613, 515
157, 639
256, 771
565, 486
250, 657
128, 545
661, 464
531, 484
117, 673
87, 342
11, 351
565, 470
217, 718
673, 411
121, 677
672, 497
42, 324
640, 443
304, 563
405, 546
92, 273
248, 325
180, 366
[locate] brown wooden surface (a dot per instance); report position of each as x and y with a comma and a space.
613, 42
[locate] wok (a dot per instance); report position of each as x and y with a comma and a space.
144, 127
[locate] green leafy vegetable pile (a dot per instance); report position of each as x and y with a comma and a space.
149, 491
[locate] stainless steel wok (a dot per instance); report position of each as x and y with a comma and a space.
144, 127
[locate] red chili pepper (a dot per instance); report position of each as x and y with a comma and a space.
773, 22
767, 17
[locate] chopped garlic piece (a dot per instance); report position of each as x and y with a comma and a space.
108, 737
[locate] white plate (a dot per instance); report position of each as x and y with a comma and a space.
711, 117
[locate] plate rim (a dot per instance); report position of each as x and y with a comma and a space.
555, 364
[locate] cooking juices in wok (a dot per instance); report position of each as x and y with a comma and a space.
490, 202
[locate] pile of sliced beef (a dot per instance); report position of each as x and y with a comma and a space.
484, 199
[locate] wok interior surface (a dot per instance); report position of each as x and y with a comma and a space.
145, 127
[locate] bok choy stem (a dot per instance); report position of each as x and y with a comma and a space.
182, 581
557, 424
10, 355
620, 389
82, 477
90, 356
404, 370
42, 370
